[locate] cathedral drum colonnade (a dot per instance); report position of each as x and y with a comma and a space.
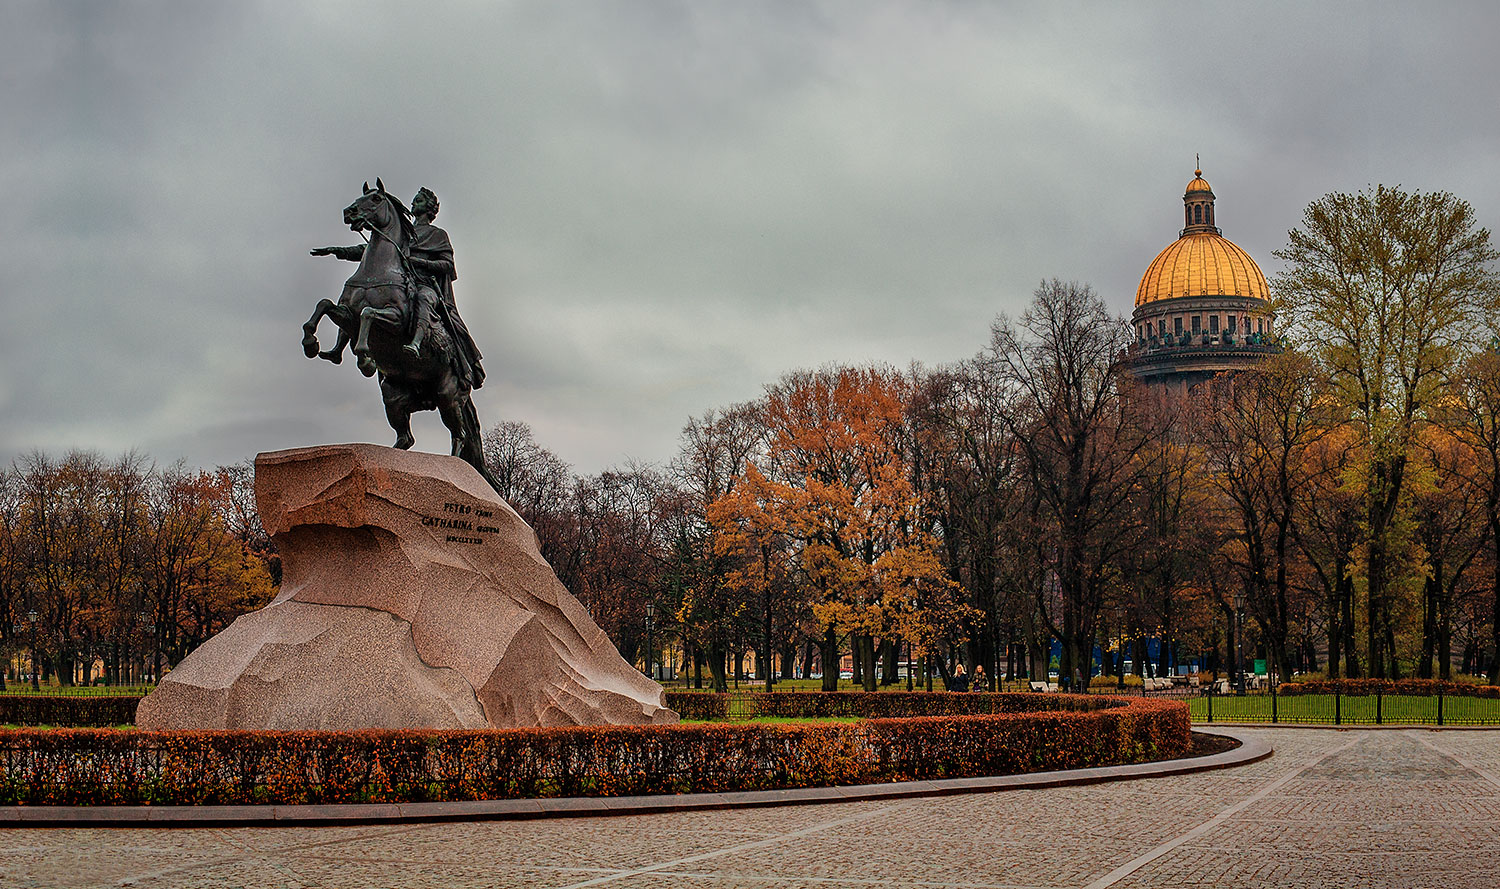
1202, 307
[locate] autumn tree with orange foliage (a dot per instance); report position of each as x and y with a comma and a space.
1473, 416
711, 613
834, 479
1452, 531
122, 564
1256, 432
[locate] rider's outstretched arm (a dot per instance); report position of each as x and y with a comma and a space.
352, 254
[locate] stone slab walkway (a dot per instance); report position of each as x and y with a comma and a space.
1334, 808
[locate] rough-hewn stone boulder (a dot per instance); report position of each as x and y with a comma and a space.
412, 597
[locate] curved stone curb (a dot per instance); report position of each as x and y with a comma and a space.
1250, 750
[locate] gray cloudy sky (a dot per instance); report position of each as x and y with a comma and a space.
657, 207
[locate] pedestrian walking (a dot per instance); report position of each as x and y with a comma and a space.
979, 681
959, 681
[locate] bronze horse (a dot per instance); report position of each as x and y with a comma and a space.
375, 311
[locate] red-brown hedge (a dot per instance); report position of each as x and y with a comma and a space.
67, 710
908, 704
104, 767
699, 704
1422, 688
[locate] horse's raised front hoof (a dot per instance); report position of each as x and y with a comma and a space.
310, 346
404, 442
337, 357
366, 365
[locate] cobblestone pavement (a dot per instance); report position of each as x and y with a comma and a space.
1332, 808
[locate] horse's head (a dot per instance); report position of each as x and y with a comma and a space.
379, 211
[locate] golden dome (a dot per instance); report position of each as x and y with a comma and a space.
1198, 183
1202, 263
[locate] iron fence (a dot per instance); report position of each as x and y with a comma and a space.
1344, 709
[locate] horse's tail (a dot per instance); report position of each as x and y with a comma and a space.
472, 447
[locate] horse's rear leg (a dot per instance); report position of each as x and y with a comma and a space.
463, 422
453, 417
398, 414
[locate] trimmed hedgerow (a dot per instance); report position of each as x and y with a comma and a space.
699, 704
60, 710
908, 704
1422, 688
104, 767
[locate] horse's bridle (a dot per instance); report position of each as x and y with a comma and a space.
407, 272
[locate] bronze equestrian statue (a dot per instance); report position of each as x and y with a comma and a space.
398, 310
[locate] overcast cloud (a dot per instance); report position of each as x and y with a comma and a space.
657, 207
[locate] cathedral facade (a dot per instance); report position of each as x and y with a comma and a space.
1202, 307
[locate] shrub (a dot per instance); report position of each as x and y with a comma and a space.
699, 704
103, 767
907, 704
1414, 687
1107, 682
27, 709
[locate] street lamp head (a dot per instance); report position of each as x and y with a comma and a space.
650, 610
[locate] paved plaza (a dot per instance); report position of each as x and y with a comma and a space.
1334, 808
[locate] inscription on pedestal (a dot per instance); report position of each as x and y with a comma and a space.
450, 520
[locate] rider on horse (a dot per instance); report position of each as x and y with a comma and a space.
430, 258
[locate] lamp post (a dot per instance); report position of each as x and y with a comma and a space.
147, 628
36, 675
650, 613
1119, 649
1239, 623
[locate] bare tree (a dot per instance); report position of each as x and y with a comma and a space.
1061, 364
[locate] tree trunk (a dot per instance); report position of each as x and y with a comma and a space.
1445, 638
1429, 624
1346, 597
1375, 578
1393, 670
1494, 674
718, 664
65, 665
1335, 635
829, 651
888, 656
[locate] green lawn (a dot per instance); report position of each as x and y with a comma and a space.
1349, 709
